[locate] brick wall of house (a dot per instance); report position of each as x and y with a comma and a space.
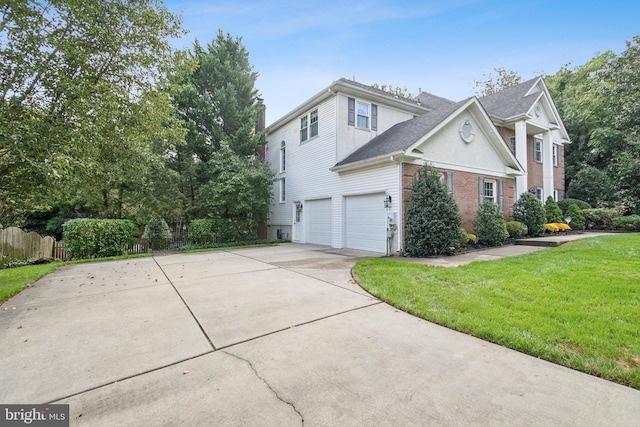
465, 192
558, 174
506, 135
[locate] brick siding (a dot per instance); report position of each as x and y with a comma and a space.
465, 193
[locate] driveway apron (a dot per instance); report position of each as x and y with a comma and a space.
278, 335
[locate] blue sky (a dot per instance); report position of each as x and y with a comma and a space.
300, 47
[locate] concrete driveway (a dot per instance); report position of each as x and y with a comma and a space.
269, 336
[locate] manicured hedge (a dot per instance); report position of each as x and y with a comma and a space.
564, 204
626, 223
600, 218
97, 238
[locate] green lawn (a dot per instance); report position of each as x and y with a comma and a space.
577, 305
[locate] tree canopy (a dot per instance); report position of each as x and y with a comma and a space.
80, 100
600, 106
220, 173
504, 78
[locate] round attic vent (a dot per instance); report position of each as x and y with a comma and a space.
467, 132
538, 110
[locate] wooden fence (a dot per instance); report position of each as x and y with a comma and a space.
17, 244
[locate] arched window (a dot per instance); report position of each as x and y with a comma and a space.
283, 156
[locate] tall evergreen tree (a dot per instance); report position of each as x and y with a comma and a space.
220, 107
432, 221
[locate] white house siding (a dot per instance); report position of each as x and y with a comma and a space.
308, 175
447, 150
350, 138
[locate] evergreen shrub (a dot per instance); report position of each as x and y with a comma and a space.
552, 212
432, 220
157, 228
564, 204
489, 224
529, 211
577, 217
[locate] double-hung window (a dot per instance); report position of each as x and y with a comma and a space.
363, 115
283, 193
313, 118
304, 128
309, 125
283, 156
490, 190
537, 149
512, 146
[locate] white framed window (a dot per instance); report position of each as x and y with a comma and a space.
554, 153
283, 156
490, 190
537, 191
309, 125
304, 128
537, 149
447, 179
313, 119
362, 114
362, 117
283, 189
512, 145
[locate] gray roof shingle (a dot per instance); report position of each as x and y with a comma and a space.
510, 102
402, 135
433, 102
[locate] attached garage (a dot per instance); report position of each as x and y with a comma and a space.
366, 223
318, 217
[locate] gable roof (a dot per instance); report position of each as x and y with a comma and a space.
401, 136
512, 101
351, 88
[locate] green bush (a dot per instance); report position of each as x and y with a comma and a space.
489, 224
565, 203
626, 223
529, 211
594, 186
600, 218
432, 220
89, 238
201, 230
464, 237
157, 228
552, 212
516, 229
577, 217
220, 230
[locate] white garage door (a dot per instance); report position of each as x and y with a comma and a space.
366, 227
318, 217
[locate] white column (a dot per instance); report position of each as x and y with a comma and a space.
522, 156
547, 166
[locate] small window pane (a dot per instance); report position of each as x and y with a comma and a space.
303, 129
489, 191
363, 115
314, 123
